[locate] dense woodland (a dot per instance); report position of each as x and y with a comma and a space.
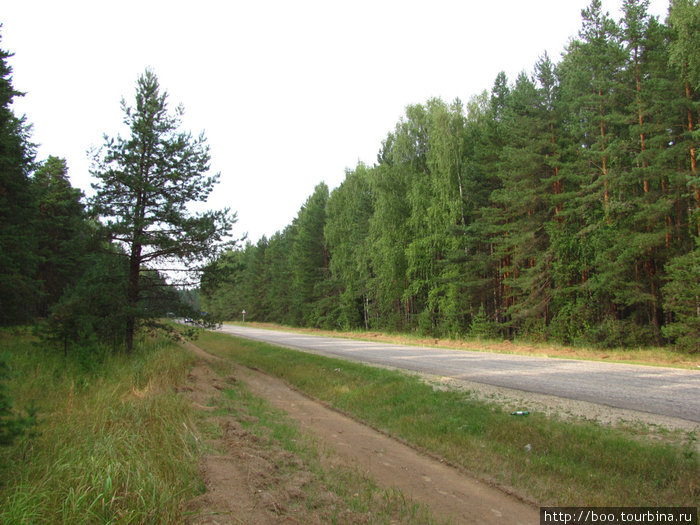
93, 272
563, 204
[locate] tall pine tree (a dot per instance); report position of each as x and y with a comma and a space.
144, 185
18, 247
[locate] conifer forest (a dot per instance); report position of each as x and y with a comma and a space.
560, 205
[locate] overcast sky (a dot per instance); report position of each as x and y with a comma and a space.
288, 93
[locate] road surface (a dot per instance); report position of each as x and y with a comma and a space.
664, 391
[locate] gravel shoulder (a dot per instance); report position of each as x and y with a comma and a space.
564, 408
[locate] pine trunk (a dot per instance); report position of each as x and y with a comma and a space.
132, 295
606, 194
693, 160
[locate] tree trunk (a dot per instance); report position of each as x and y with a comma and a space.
132, 295
693, 160
606, 194
557, 186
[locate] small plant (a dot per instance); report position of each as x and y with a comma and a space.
481, 327
690, 450
12, 425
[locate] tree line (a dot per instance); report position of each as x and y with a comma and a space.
96, 270
561, 205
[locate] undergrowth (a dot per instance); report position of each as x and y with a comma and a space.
113, 442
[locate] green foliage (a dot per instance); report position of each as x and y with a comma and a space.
349, 209
18, 244
562, 205
480, 326
682, 298
93, 310
144, 183
114, 443
309, 256
684, 19
63, 233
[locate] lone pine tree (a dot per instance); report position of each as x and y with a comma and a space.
145, 183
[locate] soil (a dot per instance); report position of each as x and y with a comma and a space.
245, 483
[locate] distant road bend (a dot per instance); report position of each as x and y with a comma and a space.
664, 391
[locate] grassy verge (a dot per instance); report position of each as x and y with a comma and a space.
290, 475
113, 443
548, 460
653, 356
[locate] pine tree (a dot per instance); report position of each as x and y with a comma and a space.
682, 298
635, 260
591, 171
18, 247
483, 266
349, 209
278, 275
528, 198
684, 20
309, 257
144, 184
63, 234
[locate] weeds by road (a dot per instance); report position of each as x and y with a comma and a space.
114, 443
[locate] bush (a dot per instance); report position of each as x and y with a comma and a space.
615, 333
682, 299
481, 327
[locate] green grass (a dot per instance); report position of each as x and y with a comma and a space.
569, 463
114, 443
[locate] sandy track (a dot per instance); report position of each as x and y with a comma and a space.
451, 493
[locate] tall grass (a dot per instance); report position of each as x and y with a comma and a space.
114, 442
549, 460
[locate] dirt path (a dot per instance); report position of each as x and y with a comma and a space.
451, 494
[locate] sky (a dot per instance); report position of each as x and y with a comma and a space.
288, 93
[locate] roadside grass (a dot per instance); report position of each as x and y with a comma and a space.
653, 356
295, 477
548, 460
114, 441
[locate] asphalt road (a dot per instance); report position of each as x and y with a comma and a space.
665, 391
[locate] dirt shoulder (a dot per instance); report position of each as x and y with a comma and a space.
231, 492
